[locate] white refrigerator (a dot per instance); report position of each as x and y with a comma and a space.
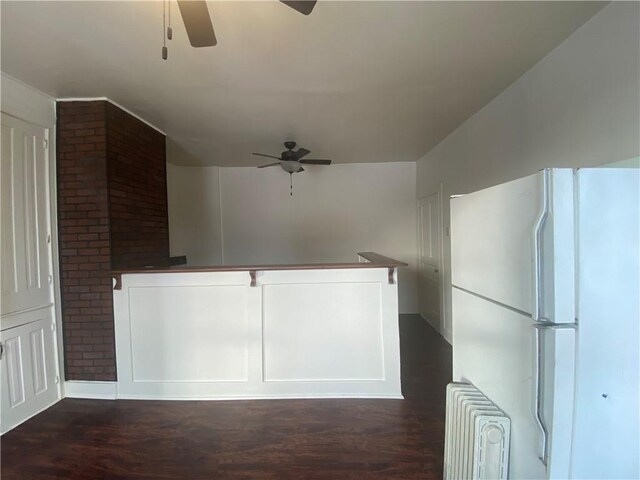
546, 314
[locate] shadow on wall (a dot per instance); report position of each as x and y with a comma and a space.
194, 214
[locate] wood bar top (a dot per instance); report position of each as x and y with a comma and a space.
373, 260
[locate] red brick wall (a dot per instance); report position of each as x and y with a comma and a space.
112, 210
83, 216
138, 192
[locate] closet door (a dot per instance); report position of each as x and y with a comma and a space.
29, 379
28, 355
25, 260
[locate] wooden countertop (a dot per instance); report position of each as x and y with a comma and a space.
375, 260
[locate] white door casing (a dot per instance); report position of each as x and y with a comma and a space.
29, 366
430, 259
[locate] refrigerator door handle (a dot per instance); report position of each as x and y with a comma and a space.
538, 384
537, 247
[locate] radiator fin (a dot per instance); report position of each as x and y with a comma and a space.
476, 436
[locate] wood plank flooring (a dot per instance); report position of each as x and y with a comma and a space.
264, 439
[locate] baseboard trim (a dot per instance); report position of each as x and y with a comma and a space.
109, 391
222, 398
93, 390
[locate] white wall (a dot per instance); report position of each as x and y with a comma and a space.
194, 214
579, 106
334, 213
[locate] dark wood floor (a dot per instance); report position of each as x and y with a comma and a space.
265, 439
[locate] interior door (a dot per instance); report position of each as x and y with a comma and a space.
29, 380
430, 257
28, 355
25, 231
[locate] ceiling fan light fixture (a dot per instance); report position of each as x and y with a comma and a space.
291, 166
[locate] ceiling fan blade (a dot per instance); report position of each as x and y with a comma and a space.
269, 165
264, 155
197, 21
301, 153
312, 161
305, 7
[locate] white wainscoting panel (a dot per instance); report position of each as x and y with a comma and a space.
189, 334
296, 334
322, 332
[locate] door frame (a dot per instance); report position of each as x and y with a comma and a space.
442, 299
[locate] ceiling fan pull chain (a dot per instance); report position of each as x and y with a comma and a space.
164, 30
291, 184
169, 29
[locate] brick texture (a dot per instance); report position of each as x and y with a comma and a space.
112, 209
138, 192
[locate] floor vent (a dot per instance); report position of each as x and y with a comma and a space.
476, 436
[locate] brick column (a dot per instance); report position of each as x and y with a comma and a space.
112, 208
85, 262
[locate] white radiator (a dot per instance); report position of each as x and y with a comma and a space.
476, 436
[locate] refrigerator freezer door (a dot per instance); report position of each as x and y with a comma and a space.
606, 442
494, 348
492, 241
514, 244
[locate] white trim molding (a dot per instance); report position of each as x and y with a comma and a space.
94, 390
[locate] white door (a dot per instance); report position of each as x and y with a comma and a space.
29, 379
29, 369
430, 255
25, 227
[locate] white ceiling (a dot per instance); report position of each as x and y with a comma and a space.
354, 81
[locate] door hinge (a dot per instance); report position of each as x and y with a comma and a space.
57, 379
53, 327
48, 238
45, 143
50, 278
1, 350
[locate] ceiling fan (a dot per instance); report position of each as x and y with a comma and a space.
197, 21
292, 162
